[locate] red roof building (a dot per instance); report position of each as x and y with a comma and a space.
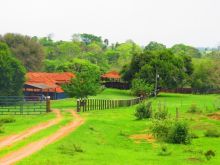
46, 83
113, 75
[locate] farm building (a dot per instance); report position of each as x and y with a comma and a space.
47, 84
111, 76
113, 80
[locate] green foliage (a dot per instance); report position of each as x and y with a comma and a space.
86, 82
179, 133
144, 111
209, 154
162, 112
12, 73
184, 50
176, 132
161, 128
70, 149
206, 76
7, 119
214, 54
154, 46
141, 88
212, 133
26, 49
164, 151
170, 68
194, 109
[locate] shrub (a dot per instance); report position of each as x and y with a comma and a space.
141, 88
70, 149
160, 129
162, 112
164, 151
171, 131
179, 133
194, 136
143, 111
194, 109
209, 154
212, 133
1, 128
7, 119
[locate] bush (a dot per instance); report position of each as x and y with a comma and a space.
164, 151
143, 111
1, 128
70, 149
176, 132
179, 133
212, 133
141, 88
209, 154
7, 119
194, 136
194, 109
162, 112
160, 129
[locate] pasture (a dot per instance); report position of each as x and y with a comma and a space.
116, 137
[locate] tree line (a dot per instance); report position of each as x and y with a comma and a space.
178, 66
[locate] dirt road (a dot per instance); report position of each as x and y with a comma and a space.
7, 141
36, 146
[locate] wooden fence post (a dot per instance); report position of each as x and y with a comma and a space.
78, 105
177, 113
48, 104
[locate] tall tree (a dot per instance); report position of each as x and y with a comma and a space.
153, 46
86, 82
12, 73
148, 65
181, 49
26, 49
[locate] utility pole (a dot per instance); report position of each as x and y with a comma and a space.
155, 89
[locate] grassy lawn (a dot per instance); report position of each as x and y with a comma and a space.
41, 134
23, 122
105, 137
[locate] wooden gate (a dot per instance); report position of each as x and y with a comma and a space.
14, 105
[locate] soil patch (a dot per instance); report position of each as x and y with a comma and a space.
147, 137
215, 116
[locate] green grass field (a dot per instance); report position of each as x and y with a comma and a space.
104, 139
23, 122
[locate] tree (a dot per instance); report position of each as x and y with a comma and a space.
184, 50
86, 83
153, 46
12, 73
141, 88
26, 49
206, 76
170, 68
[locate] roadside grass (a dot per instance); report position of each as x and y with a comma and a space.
23, 122
67, 117
105, 137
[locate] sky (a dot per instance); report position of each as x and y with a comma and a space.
192, 22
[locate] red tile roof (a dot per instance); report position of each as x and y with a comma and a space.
112, 74
52, 80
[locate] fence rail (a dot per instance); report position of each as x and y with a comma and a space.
23, 105
101, 104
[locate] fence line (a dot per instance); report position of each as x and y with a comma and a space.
101, 104
16, 105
